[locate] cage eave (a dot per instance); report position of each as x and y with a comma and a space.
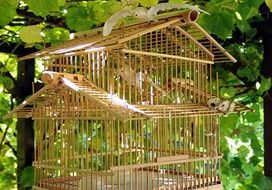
119, 37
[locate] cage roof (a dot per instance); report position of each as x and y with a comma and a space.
48, 98
93, 39
55, 105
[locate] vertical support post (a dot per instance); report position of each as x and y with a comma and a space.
264, 29
25, 132
268, 106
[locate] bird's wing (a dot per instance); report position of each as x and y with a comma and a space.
168, 6
109, 24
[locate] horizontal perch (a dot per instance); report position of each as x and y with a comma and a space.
167, 56
145, 165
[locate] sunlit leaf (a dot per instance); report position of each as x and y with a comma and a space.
265, 85
7, 10
175, 1
30, 34
254, 116
56, 35
228, 92
102, 10
61, 2
42, 7
6, 82
269, 4
148, 3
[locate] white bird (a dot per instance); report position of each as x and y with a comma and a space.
221, 105
144, 13
226, 106
109, 24
213, 103
129, 75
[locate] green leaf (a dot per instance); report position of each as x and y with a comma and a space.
243, 26
269, 4
148, 3
7, 10
102, 10
78, 19
261, 181
175, 1
254, 3
248, 72
219, 23
236, 163
61, 2
247, 12
42, 7
243, 151
56, 35
133, 3
30, 34
254, 160
228, 92
6, 82
27, 177
255, 144
264, 86
229, 123
254, 116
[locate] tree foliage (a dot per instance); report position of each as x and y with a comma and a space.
39, 23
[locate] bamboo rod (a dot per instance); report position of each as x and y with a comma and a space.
167, 56
151, 164
171, 158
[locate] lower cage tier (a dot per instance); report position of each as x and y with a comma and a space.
194, 173
132, 180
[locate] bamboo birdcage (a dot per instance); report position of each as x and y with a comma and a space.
129, 111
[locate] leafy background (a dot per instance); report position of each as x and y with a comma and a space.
40, 23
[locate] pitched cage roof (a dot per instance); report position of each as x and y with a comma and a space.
184, 22
63, 82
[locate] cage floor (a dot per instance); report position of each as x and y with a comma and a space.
129, 180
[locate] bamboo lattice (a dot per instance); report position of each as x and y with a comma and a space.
129, 111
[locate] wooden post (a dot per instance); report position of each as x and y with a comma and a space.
23, 88
25, 133
264, 29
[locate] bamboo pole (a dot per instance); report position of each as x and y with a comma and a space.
151, 164
166, 56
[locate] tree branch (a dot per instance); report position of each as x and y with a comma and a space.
3, 138
52, 21
7, 143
